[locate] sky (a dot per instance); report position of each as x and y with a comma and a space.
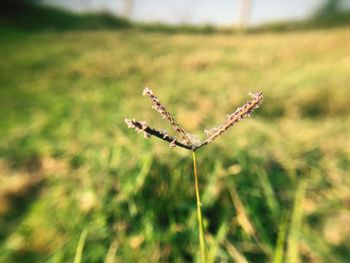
219, 12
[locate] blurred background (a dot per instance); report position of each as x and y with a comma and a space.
77, 185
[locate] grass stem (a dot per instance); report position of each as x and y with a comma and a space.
203, 251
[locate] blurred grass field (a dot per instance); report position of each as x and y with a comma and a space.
274, 189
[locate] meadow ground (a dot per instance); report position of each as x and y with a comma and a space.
274, 189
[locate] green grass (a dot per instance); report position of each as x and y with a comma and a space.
275, 185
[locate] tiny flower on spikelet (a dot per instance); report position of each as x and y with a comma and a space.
187, 140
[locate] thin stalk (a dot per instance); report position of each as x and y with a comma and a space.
203, 251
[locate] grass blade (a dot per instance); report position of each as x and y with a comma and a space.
268, 192
80, 247
111, 251
295, 225
281, 239
234, 253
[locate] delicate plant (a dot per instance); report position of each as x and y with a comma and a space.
191, 142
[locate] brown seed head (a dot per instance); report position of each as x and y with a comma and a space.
234, 117
158, 106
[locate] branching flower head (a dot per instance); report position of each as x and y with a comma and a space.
191, 142
187, 140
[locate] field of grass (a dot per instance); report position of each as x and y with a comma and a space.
276, 188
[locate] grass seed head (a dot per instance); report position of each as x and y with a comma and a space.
158, 106
192, 142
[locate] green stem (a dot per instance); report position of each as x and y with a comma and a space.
199, 213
